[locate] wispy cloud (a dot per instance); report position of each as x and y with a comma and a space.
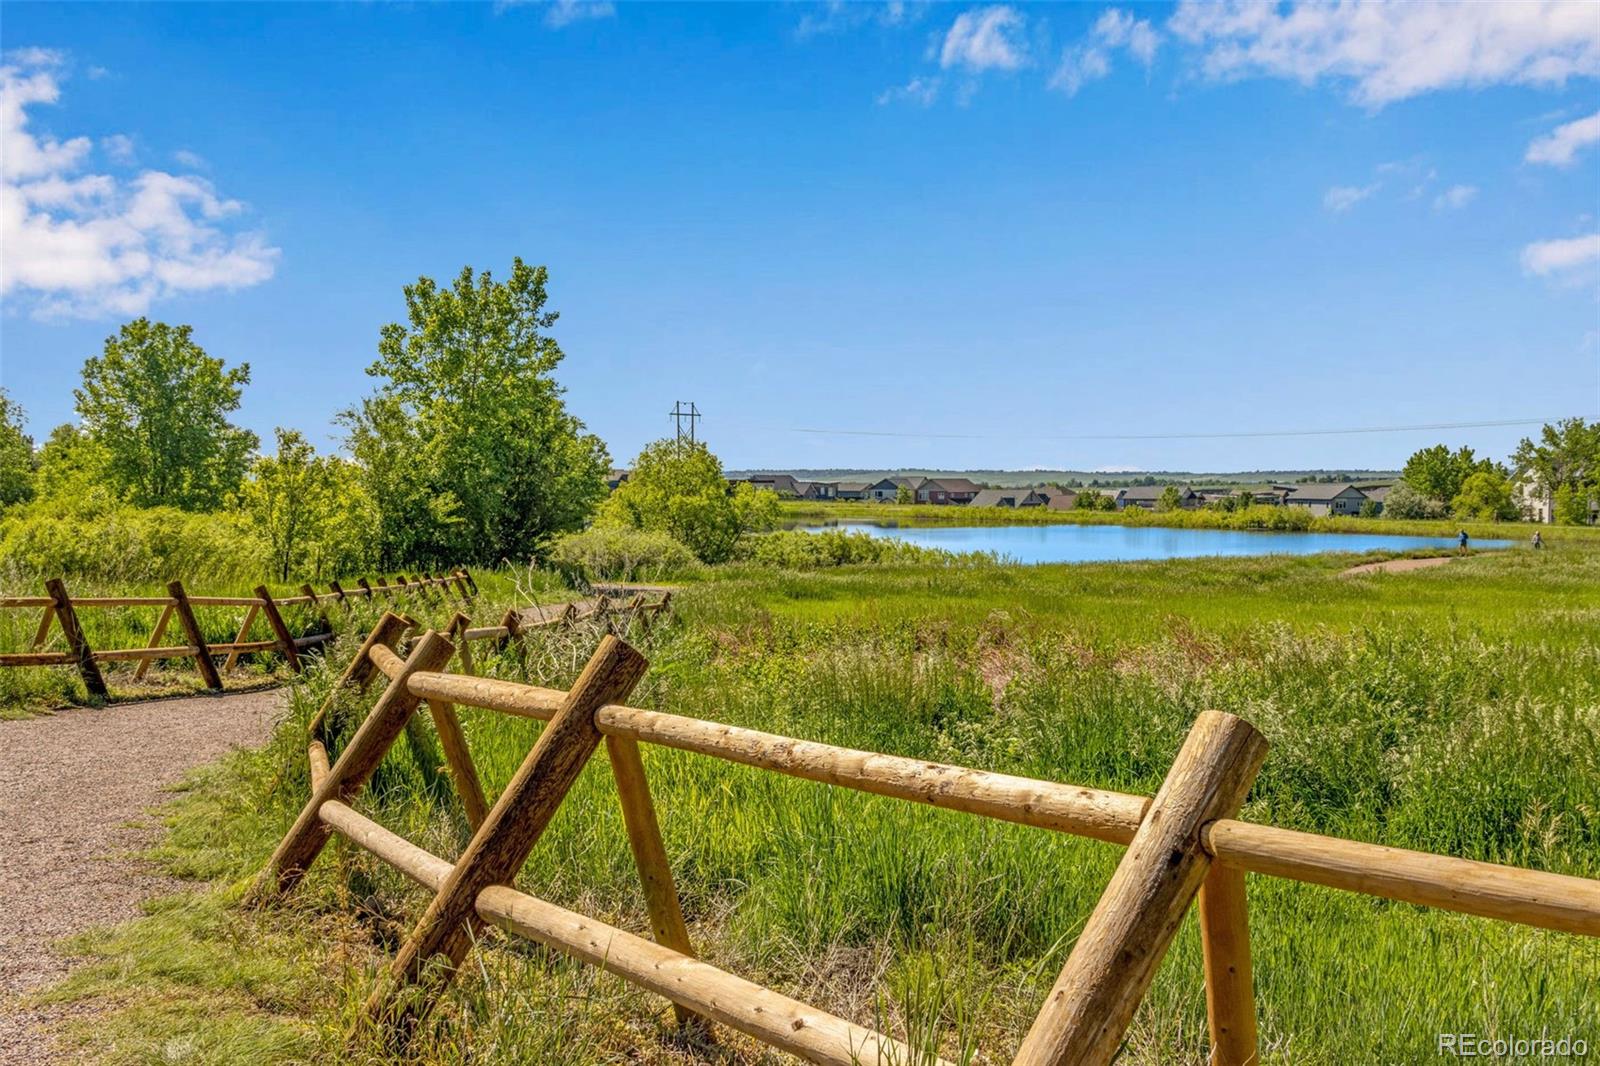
559, 13
920, 91
1455, 198
1342, 198
1389, 50
841, 16
1560, 147
1562, 256
1091, 59
86, 245
986, 38
119, 148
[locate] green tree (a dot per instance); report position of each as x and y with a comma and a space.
467, 448
1405, 502
301, 506
158, 406
903, 495
72, 472
1090, 500
677, 487
1564, 463
17, 461
1485, 496
1438, 473
1370, 509
1170, 499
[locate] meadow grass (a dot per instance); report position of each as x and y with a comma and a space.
1454, 710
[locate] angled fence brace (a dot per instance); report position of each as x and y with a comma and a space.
43, 631
93, 680
502, 844
279, 631
1111, 966
191, 626
156, 634
390, 628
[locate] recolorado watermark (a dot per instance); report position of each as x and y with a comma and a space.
1473, 1046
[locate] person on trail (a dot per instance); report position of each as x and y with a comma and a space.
1538, 541
1461, 541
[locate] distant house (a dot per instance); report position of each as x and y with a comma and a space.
887, 490
947, 490
1146, 497
817, 490
1324, 499
1020, 497
1378, 494
1062, 500
783, 484
850, 490
616, 477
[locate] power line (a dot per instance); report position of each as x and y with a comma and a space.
1179, 436
678, 414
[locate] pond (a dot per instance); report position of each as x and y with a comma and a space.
1098, 544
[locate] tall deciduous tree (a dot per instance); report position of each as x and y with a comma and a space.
157, 404
1564, 463
1438, 473
17, 461
676, 487
467, 448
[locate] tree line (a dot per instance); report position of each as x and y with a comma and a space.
464, 451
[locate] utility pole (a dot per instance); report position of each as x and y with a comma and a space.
679, 412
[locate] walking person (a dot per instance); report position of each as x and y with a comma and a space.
1461, 542
1538, 541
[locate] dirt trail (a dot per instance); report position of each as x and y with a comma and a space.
76, 788
1396, 566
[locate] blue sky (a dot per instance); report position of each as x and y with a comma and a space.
996, 235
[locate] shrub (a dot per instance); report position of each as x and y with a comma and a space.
616, 553
797, 550
126, 545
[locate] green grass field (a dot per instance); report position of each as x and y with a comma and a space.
1454, 710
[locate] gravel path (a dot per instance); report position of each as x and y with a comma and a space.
76, 788
1396, 566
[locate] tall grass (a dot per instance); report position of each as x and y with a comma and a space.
1454, 710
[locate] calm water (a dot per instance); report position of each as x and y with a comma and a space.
1095, 544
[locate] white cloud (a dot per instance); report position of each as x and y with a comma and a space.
565, 12
840, 16
95, 244
119, 148
1562, 255
1090, 59
1559, 148
1342, 198
185, 158
1455, 198
1389, 50
986, 38
921, 91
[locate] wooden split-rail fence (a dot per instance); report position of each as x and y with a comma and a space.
1183, 844
61, 609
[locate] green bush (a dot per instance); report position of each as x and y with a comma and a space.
125, 546
620, 554
797, 550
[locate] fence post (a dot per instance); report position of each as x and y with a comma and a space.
458, 633
512, 624
322, 614
472, 584
515, 824
338, 594
383, 587
1115, 959
191, 626
390, 628
155, 640
365, 587
1230, 992
461, 586
458, 757
279, 630
93, 681
650, 855
301, 845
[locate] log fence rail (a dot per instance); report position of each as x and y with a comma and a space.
1182, 844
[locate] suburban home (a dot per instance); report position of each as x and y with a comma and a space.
1021, 497
1324, 499
1147, 496
782, 484
1062, 500
817, 490
947, 490
850, 490
887, 490
1376, 493
616, 477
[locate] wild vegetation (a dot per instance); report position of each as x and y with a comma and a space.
1451, 710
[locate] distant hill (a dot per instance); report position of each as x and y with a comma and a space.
1113, 478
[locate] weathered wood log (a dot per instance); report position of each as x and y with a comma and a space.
650, 855
366, 589
38, 658
317, 757
390, 628
82, 654
1230, 989
279, 630
1115, 959
338, 594
461, 586
144, 655
458, 759
155, 640
471, 583
376, 734
514, 825
191, 626
43, 631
